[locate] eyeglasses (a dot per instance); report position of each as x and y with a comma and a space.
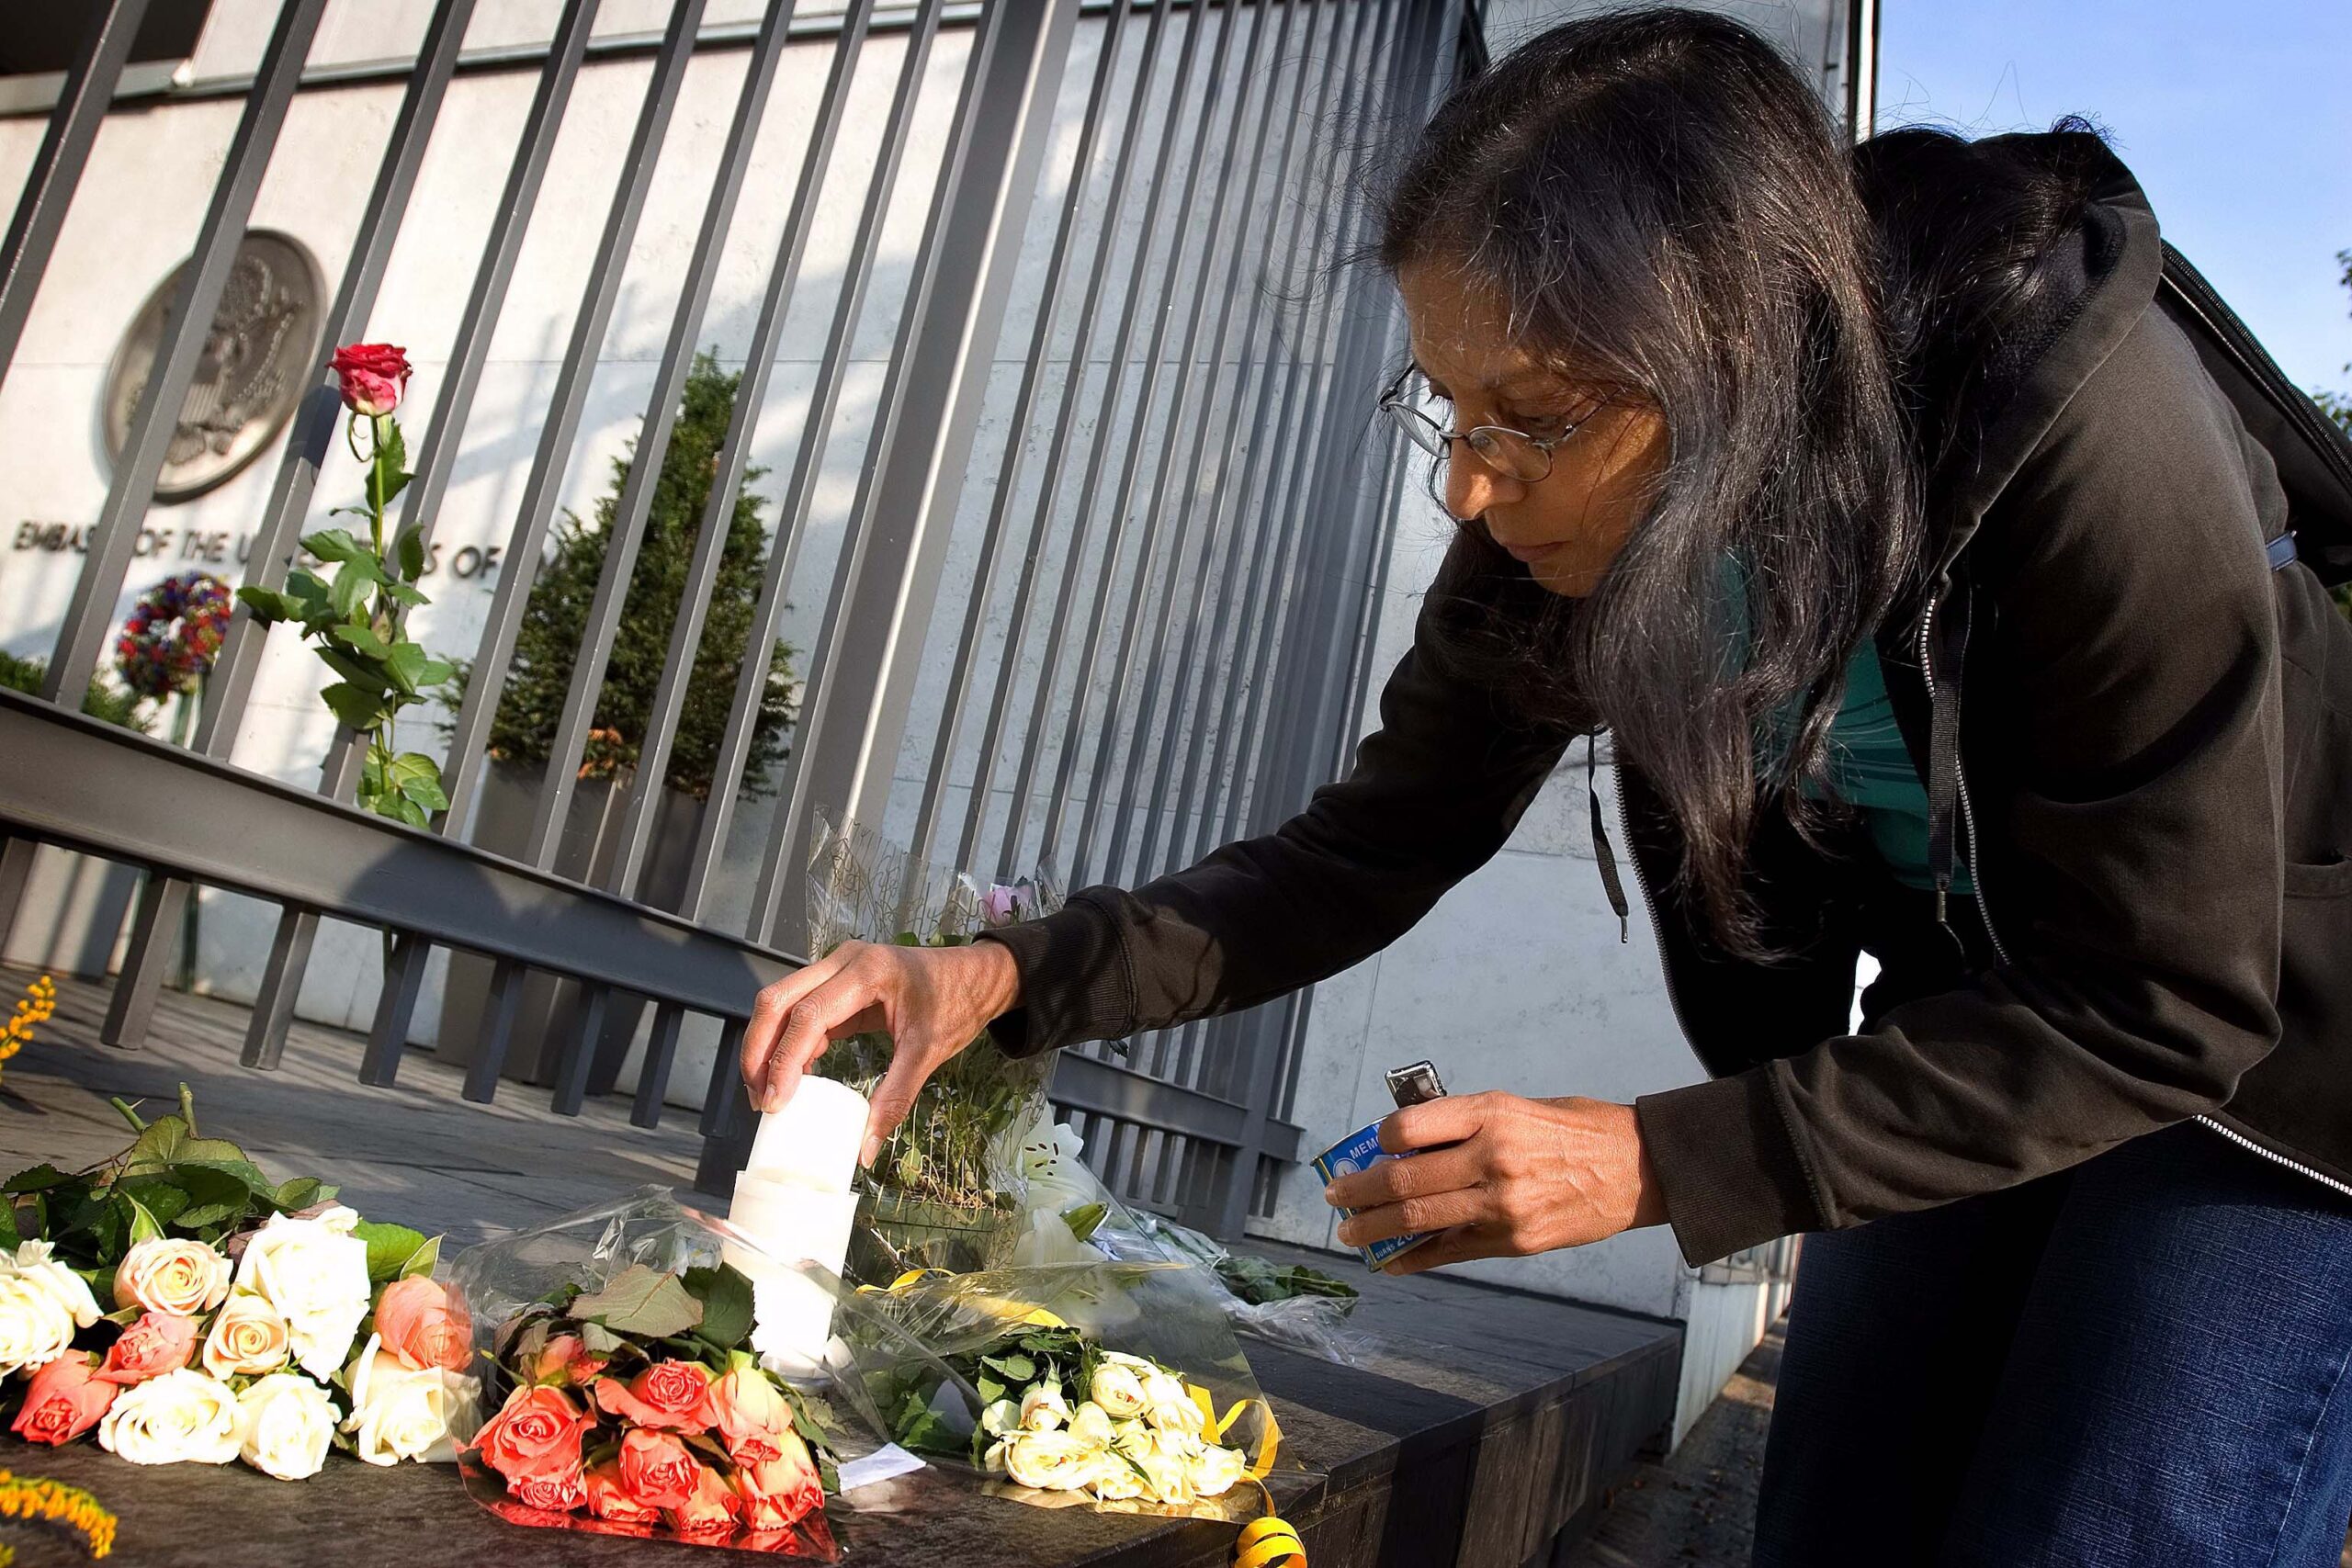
1513, 453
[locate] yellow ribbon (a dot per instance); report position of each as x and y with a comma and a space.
1037, 1317
1269, 1542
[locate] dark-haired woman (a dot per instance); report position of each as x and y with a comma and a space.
1764, 452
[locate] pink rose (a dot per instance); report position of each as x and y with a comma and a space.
656, 1471
63, 1400
374, 376
784, 1490
537, 1432
711, 1505
609, 1499
154, 1345
421, 1323
671, 1396
181, 1279
750, 1412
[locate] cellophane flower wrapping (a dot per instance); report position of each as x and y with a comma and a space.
1110, 1384
946, 1191
603, 1428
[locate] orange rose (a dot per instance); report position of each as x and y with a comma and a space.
784, 1490
670, 1396
564, 1360
537, 1432
154, 1345
608, 1499
656, 1471
421, 1323
558, 1491
63, 1400
749, 1411
711, 1505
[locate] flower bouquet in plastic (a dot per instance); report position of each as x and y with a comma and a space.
623, 1394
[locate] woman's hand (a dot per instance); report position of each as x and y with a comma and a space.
931, 1002
1501, 1176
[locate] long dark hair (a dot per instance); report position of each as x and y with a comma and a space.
1661, 202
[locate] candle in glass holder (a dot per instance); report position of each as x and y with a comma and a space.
794, 1204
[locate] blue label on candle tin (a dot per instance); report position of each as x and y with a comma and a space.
1358, 1151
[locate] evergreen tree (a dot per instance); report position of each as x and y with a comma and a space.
556, 618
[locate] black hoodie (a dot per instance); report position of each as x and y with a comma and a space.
2150, 780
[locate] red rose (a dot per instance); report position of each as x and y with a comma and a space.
374, 376
781, 1491
669, 1397
711, 1505
536, 1433
609, 1499
156, 1344
656, 1471
63, 1400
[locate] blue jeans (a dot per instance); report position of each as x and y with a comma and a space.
2141, 1360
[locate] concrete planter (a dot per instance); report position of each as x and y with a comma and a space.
551, 1012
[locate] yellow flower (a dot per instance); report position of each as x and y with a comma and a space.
53, 1500
38, 1006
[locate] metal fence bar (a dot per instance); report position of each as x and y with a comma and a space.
1148, 552
289, 954
396, 999
112, 536
163, 904
49, 188
1025, 780
1064, 424
1233, 433
862, 671
1024, 409
1191, 511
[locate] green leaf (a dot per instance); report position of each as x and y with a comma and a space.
403, 664
405, 594
422, 1261
641, 1301
432, 671
159, 1142
309, 595
8, 1237
726, 1297
1084, 1219
144, 1226
268, 604
598, 1339
357, 709
364, 673
334, 544
400, 809
991, 1389
389, 1248
360, 637
387, 474
297, 1194
157, 1195
1017, 1369
38, 1179
409, 550
353, 578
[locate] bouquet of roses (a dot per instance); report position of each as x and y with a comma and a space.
629, 1401
187, 1308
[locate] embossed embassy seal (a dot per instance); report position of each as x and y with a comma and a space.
260, 356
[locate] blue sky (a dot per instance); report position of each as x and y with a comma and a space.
2236, 118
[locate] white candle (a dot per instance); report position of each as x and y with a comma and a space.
814, 1139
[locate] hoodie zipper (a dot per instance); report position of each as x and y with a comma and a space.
1984, 913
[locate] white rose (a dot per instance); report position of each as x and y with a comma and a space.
1092, 1423
285, 1425
1131, 1437
175, 1276
1117, 1389
397, 1413
992, 1462
180, 1418
1043, 1408
1050, 1461
248, 1338
1000, 1419
1182, 1446
41, 1304
1169, 1479
1165, 1400
314, 1272
1114, 1480
1217, 1470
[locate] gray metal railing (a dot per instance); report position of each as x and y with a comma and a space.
1160, 635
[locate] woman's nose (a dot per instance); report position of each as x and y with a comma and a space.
1471, 486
